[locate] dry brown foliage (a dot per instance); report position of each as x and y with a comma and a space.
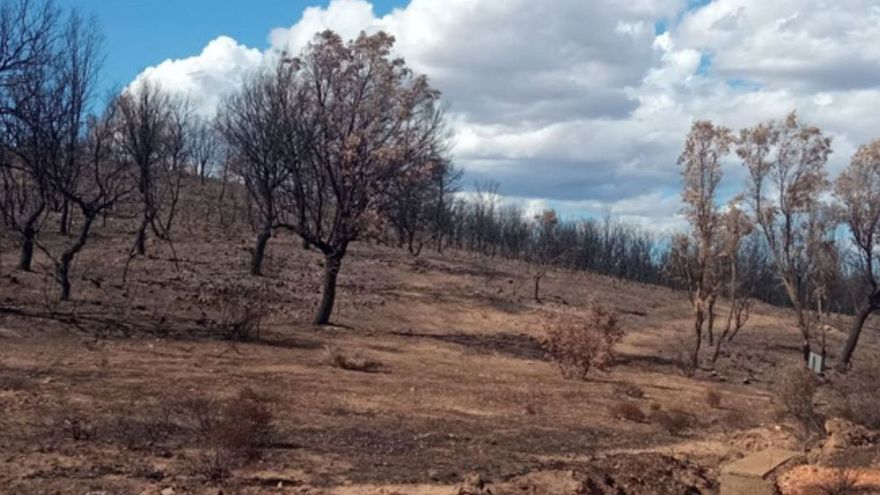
579, 346
674, 421
231, 434
338, 359
714, 398
858, 397
795, 389
844, 482
236, 311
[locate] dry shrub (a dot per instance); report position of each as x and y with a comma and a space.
338, 359
630, 390
627, 410
139, 426
578, 346
843, 482
237, 311
78, 426
795, 390
682, 358
674, 421
230, 433
858, 394
714, 398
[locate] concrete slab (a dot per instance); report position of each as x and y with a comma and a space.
753, 474
760, 464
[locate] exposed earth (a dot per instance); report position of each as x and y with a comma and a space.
97, 394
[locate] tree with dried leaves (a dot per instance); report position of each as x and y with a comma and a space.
705, 147
735, 227
786, 166
858, 191
367, 119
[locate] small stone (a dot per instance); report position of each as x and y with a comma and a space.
167, 491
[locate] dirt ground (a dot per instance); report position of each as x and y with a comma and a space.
460, 385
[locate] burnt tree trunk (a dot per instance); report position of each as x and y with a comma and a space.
710, 323
140, 243
260, 250
855, 332
26, 257
62, 270
64, 222
699, 317
332, 264
28, 240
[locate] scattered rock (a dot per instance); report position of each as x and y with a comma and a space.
844, 434
475, 484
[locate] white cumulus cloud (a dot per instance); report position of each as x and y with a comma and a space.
582, 105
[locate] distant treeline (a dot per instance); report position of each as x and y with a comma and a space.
483, 223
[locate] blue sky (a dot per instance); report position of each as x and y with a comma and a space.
141, 33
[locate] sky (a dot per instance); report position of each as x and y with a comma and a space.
578, 105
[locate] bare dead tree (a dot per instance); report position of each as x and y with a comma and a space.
858, 191
142, 120
367, 119
418, 209
705, 147
544, 251
26, 34
786, 165
27, 29
22, 205
206, 152
485, 204
176, 154
34, 126
100, 181
254, 122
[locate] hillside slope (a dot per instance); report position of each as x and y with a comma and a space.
458, 382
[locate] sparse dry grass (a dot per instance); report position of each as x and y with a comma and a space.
466, 391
